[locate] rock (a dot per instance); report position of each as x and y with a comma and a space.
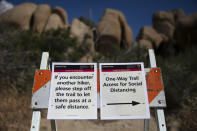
177, 13
20, 15
128, 36
58, 19
78, 29
62, 13
41, 16
165, 28
113, 30
186, 30
164, 23
187, 21
163, 16
86, 58
54, 22
145, 44
84, 35
149, 34
109, 28
176, 27
164, 37
38, 18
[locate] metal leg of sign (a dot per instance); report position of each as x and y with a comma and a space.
161, 119
152, 58
159, 112
44, 61
53, 125
36, 117
35, 125
146, 125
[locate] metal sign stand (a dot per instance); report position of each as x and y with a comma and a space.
43, 96
158, 111
36, 116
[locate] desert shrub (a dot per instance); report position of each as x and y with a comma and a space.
87, 21
179, 74
115, 54
187, 114
180, 80
15, 112
20, 53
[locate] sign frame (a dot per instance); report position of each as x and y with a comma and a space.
147, 116
75, 117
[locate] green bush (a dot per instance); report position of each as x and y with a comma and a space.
20, 53
115, 55
180, 76
180, 81
87, 21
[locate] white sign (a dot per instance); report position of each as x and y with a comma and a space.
123, 93
73, 93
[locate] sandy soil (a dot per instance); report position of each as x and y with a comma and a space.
98, 125
16, 115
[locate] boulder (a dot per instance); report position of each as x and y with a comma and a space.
84, 35
148, 33
145, 44
20, 15
128, 36
113, 30
54, 22
187, 21
78, 29
38, 18
163, 16
164, 23
164, 37
41, 16
165, 28
63, 15
109, 28
178, 13
186, 30
86, 58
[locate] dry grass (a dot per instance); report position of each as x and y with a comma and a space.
15, 115
188, 116
15, 112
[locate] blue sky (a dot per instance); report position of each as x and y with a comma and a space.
137, 12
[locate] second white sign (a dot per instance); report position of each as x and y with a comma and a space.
123, 91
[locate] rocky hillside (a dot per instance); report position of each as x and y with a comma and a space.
173, 28
43, 28
113, 29
36, 17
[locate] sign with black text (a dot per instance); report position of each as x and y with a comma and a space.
73, 93
123, 93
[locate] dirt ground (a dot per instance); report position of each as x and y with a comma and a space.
98, 125
16, 115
